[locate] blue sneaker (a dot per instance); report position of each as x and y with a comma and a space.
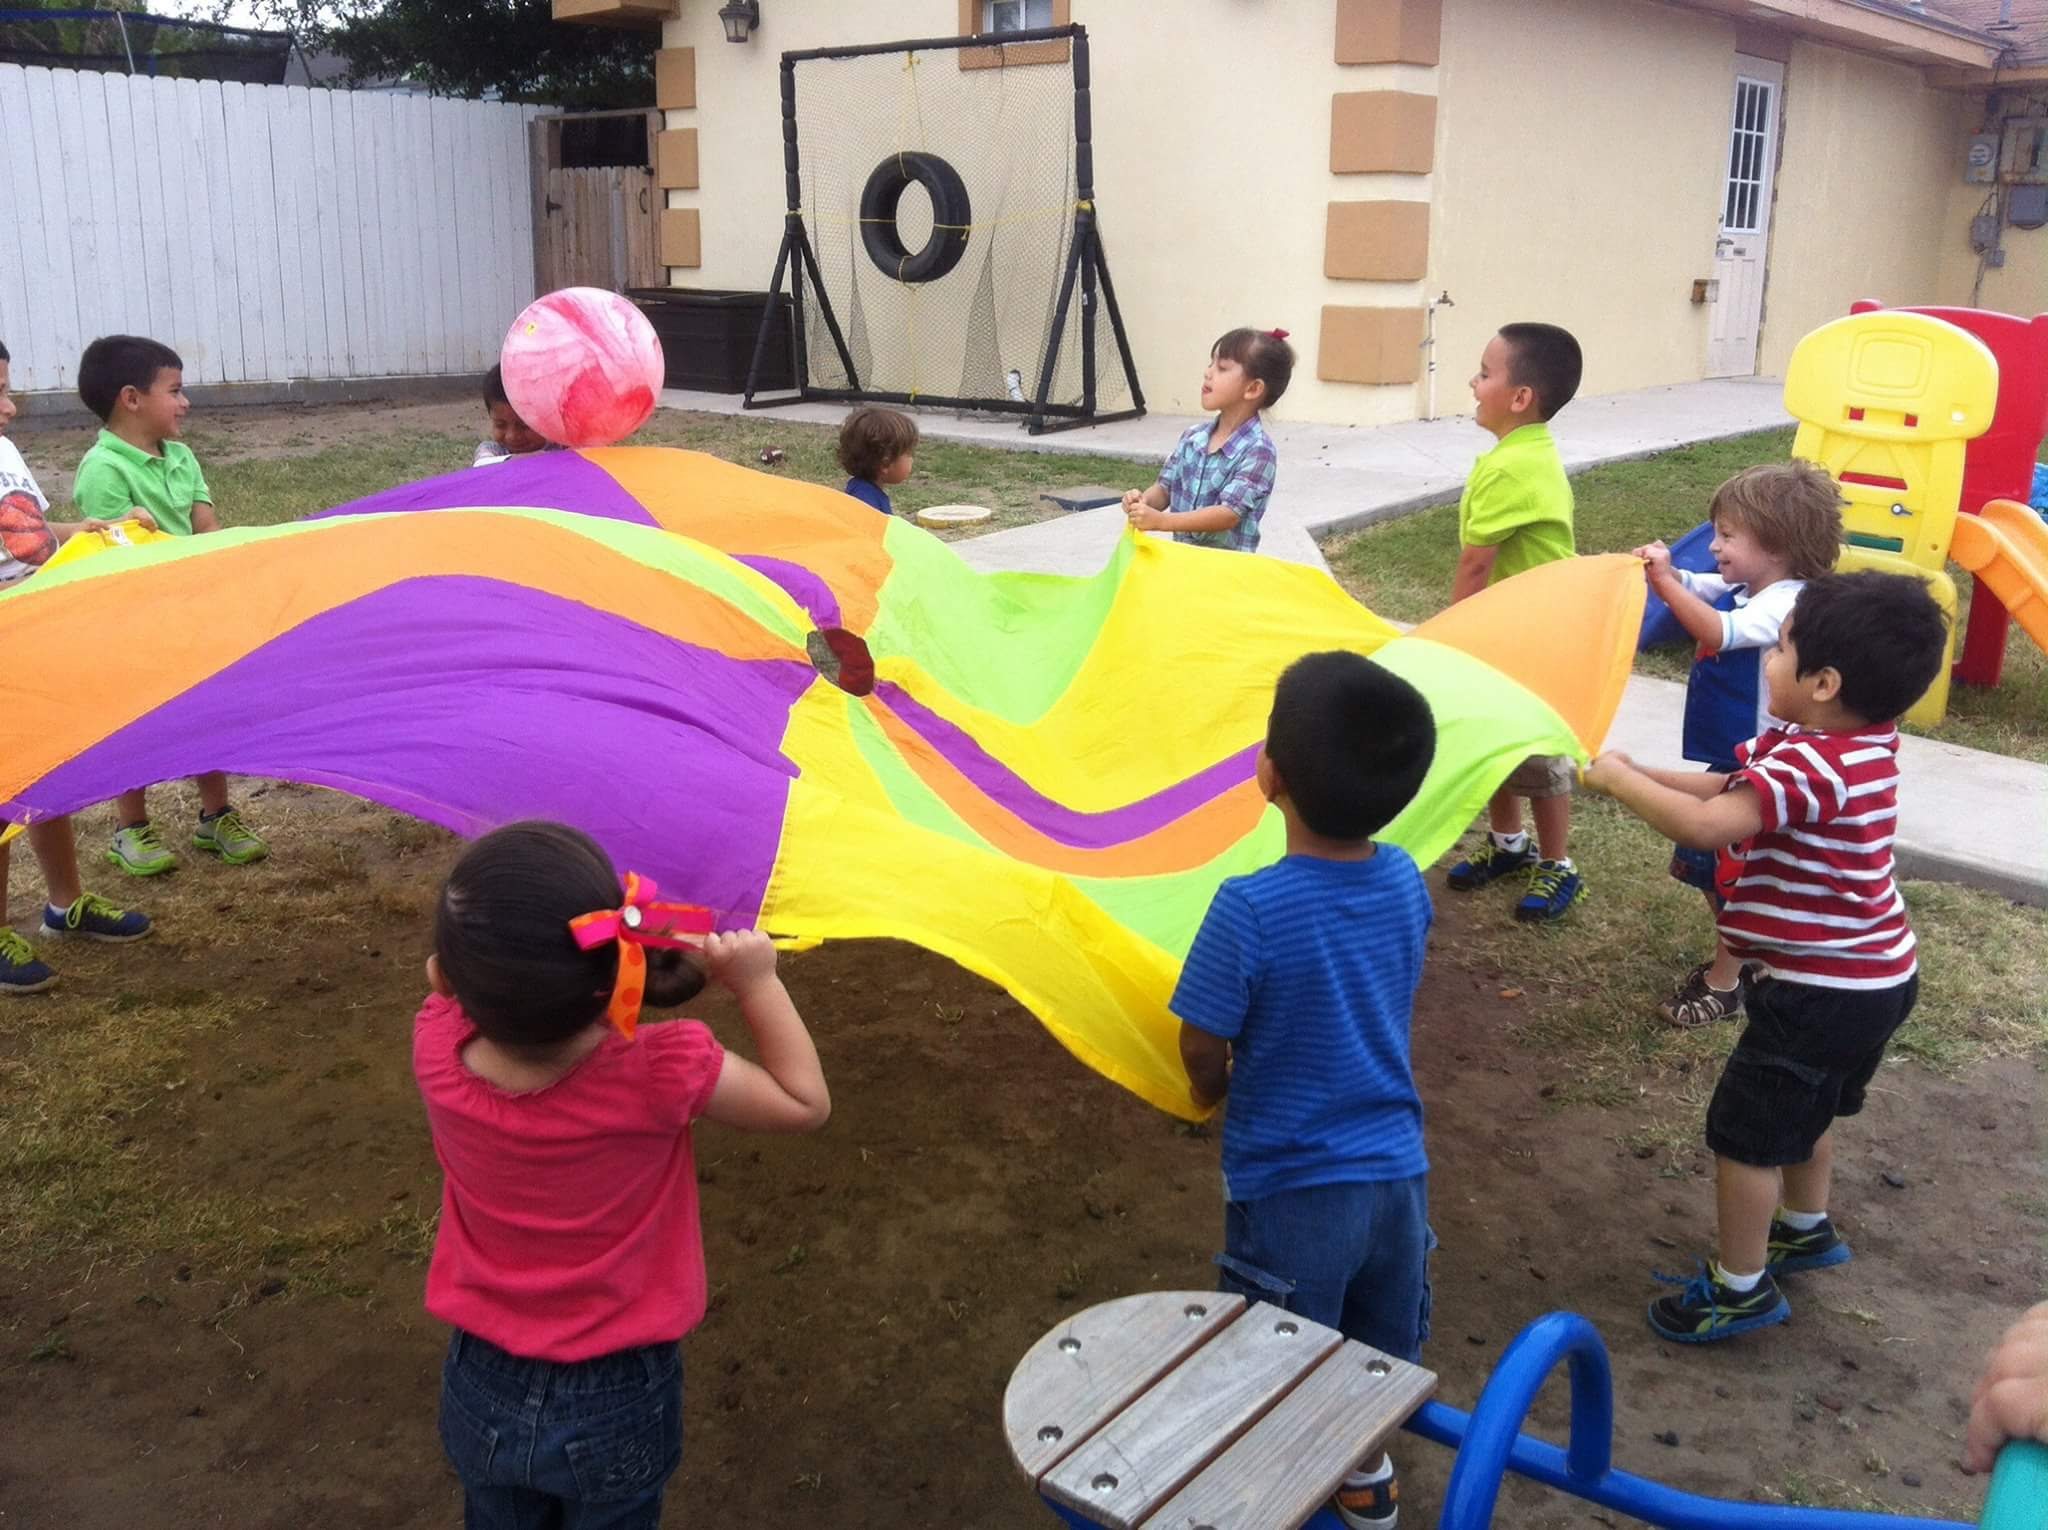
20, 971
1489, 863
1705, 1311
1553, 888
1816, 1248
96, 919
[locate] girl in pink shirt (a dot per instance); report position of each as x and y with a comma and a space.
569, 1259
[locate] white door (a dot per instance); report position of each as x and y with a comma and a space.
1738, 311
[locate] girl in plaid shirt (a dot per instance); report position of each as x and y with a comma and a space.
1213, 489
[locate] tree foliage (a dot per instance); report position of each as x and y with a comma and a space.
514, 49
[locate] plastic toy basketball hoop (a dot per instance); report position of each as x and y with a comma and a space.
953, 515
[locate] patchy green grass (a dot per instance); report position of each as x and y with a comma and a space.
101, 1081
262, 477
77, 1180
1593, 981
1403, 571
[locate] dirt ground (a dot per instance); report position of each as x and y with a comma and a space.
54, 441
874, 1285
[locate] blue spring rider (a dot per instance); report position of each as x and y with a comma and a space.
1489, 1445
1195, 1411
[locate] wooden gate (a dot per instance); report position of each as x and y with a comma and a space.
594, 225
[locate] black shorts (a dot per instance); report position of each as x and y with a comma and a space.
1805, 1057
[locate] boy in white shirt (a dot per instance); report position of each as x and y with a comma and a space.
28, 539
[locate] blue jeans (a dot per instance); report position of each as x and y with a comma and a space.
544, 1446
1352, 1257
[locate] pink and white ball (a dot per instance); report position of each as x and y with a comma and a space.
582, 366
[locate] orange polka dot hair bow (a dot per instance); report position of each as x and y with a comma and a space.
638, 922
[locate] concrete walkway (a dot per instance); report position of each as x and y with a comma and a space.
1964, 815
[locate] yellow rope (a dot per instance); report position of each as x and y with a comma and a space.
915, 109
833, 220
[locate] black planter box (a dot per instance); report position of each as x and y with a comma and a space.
707, 337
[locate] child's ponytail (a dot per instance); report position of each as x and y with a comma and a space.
503, 937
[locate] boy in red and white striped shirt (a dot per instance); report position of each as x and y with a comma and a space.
1804, 826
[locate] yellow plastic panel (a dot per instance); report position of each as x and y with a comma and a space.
1887, 403
1931, 708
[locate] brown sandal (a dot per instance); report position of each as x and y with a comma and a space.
1697, 1002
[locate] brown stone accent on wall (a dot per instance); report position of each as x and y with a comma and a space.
627, 15
1389, 31
675, 159
1010, 55
1370, 345
1376, 241
1381, 130
682, 240
675, 79
1763, 42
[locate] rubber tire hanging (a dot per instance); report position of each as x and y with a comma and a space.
951, 215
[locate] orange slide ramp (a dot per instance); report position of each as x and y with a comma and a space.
2006, 546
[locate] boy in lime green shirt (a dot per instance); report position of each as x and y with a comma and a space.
137, 388
1516, 514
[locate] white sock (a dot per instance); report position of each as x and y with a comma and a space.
1360, 1477
1801, 1221
1736, 1282
1514, 843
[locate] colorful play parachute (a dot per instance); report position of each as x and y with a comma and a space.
776, 702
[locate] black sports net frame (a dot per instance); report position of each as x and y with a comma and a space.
996, 304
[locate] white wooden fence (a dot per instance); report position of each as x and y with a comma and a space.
267, 233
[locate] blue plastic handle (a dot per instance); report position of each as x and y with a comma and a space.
2018, 1499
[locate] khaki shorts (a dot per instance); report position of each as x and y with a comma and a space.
1544, 775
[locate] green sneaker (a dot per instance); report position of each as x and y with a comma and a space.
140, 853
229, 838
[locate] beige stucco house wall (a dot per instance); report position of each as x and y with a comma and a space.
1582, 145
1331, 165
1871, 155
2019, 286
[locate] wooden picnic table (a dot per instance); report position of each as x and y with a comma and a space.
1189, 1410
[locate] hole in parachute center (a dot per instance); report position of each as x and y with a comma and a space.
843, 658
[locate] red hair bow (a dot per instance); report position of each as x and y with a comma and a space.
1277, 334
636, 923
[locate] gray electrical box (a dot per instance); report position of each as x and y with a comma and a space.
2024, 159
1981, 167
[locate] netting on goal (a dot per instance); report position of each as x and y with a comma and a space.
941, 243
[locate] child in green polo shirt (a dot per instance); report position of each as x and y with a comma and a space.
1516, 514
137, 388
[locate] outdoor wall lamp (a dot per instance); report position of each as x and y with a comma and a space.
740, 17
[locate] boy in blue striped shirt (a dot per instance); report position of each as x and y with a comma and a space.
1295, 1000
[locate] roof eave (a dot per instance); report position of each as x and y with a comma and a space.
1869, 26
